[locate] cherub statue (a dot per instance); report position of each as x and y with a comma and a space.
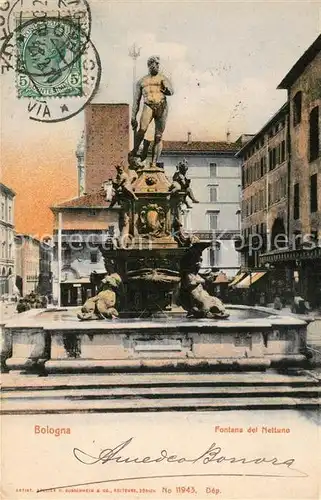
102, 305
122, 186
192, 296
181, 183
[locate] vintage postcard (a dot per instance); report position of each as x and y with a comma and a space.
160, 249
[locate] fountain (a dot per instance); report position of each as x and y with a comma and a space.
132, 325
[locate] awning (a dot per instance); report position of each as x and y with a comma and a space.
249, 280
221, 278
75, 281
237, 278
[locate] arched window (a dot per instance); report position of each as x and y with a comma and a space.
297, 108
314, 134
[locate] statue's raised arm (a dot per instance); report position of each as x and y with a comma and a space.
154, 88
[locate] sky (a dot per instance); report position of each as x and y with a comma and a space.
225, 60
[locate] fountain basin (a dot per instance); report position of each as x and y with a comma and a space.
55, 341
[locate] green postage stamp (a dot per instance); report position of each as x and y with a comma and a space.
49, 61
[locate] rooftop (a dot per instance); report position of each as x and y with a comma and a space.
199, 146
92, 200
7, 190
277, 116
301, 64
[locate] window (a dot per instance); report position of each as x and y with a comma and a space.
214, 256
9, 215
262, 166
258, 171
213, 220
2, 211
314, 133
282, 151
297, 108
314, 193
314, 236
276, 155
213, 194
283, 187
213, 170
93, 257
296, 204
66, 253
297, 239
270, 159
270, 194
273, 157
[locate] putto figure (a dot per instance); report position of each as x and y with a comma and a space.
154, 88
181, 183
122, 186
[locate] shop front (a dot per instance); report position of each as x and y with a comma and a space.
75, 293
301, 271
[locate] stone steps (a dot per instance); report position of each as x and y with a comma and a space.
32, 406
158, 392
157, 379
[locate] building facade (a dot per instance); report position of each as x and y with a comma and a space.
45, 268
264, 211
6, 240
216, 182
303, 256
82, 224
33, 260
287, 218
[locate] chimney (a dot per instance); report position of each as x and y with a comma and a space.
189, 134
228, 133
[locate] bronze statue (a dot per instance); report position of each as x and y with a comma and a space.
154, 88
192, 296
102, 305
122, 186
182, 184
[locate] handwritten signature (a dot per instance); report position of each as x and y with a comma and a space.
213, 454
